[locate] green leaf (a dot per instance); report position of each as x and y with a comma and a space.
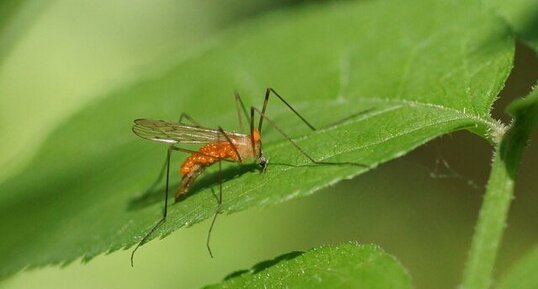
525, 114
522, 15
522, 275
344, 266
525, 111
392, 76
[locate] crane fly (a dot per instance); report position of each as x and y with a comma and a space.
217, 145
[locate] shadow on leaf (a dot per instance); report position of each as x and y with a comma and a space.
154, 193
265, 264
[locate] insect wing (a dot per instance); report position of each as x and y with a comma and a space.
172, 133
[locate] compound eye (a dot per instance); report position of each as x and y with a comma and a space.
262, 162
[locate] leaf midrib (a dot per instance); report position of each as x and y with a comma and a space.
489, 124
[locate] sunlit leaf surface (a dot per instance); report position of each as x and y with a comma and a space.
343, 266
377, 78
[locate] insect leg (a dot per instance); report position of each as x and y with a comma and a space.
217, 211
165, 210
189, 118
252, 131
233, 145
239, 105
161, 172
262, 116
301, 150
266, 100
158, 179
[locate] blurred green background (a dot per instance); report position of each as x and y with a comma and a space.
69, 53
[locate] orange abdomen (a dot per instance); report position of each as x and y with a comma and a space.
208, 155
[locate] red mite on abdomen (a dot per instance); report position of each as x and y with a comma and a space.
211, 153
218, 145
208, 155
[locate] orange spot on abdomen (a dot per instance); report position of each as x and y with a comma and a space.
209, 154
256, 135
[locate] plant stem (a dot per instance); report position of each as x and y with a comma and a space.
490, 227
494, 211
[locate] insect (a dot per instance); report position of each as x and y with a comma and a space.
217, 145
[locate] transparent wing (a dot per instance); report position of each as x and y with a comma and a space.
172, 133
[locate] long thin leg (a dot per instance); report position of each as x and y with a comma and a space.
158, 179
266, 100
219, 203
217, 211
163, 168
239, 105
262, 116
233, 145
252, 132
239, 102
167, 165
189, 118
301, 150
161, 172
165, 210
219, 198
